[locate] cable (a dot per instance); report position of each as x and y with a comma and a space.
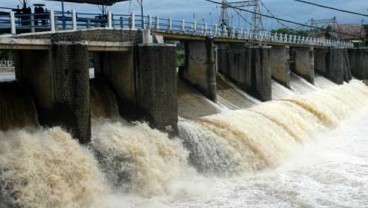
241, 16
327, 7
274, 16
280, 19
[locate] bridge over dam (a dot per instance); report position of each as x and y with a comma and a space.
138, 62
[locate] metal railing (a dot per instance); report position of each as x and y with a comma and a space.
12, 23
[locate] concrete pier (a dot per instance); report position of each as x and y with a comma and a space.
320, 61
280, 67
248, 67
200, 68
144, 81
358, 58
338, 66
59, 82
303, 62
261, 74
156, 85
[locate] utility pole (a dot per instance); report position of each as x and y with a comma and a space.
257, 24
142, 14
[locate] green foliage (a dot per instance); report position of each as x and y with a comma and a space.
5, 55
291, 31
180, 54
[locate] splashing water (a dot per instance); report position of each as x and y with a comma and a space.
137, 158
47, 168
263, 136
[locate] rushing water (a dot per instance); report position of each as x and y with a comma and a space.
275, 154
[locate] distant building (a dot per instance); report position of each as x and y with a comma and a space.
355, 33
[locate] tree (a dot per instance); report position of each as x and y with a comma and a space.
291, 31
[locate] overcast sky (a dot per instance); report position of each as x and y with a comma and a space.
202, 10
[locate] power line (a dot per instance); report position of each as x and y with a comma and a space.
242, 17
274, 16
328, 7
280, 19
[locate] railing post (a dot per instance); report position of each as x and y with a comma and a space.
132, 23
74, 19
52, 21
32, 18
194, 26
215, 31
109, 20
157, 22
12, 23
169, 28
149, 22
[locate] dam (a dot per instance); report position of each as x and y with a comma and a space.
104, 117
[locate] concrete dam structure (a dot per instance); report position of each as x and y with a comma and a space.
152, 130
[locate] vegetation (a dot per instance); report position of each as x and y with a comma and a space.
365, 27
291, 31
180, 54
5, 55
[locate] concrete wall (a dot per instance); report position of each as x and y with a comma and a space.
303, 62
248, 67
59, 82
358, 58
320, 60
280, 66
110, 35
118, 70
261, 74
338, 66
235, 62
200, 68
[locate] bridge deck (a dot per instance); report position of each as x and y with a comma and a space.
177, 29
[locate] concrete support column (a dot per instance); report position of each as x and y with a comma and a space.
320, 60
358, 58
144, 82
200, 68
261, 74
303, 63
156, 85
338, 66
59, 82
280, 66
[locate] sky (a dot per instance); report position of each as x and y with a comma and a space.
204, 11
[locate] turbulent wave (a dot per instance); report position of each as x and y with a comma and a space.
47, 168
137, 158
262, 136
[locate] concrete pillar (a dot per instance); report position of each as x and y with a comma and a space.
156, 85
249, 68
358, 58
59, 82
303, 63
261, 75
280, 66
320, 60
338, 66
144, 82
200, 68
